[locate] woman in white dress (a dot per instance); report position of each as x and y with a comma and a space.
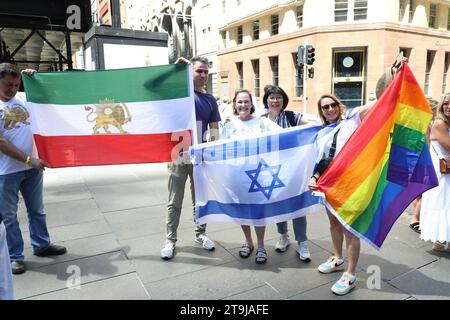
435, 209
247, 125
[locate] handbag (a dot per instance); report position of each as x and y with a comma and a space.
444, 163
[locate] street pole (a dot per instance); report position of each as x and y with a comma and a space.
305, 77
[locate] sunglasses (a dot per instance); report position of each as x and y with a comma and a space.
328, 106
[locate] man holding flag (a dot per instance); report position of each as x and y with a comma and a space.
207, 114
20, 171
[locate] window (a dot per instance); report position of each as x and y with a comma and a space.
274, 67
298, 77
239, 35
340, 10
411, 11
446, 65
224, 6
240, 72
274, 23
360, 10
430, 59
299, 16
432, 21
255, 30
448, 20
255, 65
224, 39
406, 52
349, 75
401, 9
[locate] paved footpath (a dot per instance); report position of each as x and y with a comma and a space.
112, 220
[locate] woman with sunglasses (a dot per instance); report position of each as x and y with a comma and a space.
332, 110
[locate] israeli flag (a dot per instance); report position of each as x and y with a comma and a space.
260, 180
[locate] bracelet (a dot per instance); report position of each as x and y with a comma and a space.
27, 161
315, 178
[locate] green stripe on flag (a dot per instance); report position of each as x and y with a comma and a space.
123, 85
362, 223
408, 138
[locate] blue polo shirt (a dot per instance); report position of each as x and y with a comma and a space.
206, 111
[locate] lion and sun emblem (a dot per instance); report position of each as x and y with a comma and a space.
108, 113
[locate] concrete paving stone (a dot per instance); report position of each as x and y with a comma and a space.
61, 275
66, 193
66, 213
294, 276
62, 177
95, 176
137, 229
134, 226
431, 282
120, 196
73, 232
145, 255
395, 259
123, 287
136, 214
76, 249
149, 171
265, 292
207, 284
364, 290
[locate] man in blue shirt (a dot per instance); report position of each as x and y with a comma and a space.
207, 113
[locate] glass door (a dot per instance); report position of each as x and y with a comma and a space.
349, 76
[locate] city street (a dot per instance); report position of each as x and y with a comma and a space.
112, 221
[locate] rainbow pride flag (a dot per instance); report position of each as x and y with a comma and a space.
384, 165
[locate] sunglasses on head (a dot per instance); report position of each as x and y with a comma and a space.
327, 106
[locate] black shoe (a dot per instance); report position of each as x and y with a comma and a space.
51, 250
18, 267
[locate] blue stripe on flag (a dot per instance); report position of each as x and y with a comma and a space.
282, 140
259, 211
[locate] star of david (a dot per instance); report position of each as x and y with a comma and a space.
272, 170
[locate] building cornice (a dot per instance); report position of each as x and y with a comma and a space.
388, 26
260, 13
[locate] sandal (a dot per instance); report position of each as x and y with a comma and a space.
441, 247
415, 226
261, 256
246, 250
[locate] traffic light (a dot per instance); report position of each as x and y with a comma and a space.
301, 56
311, 72
310, 54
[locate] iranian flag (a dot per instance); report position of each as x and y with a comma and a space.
86, 118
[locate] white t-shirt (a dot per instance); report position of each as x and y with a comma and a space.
249, 128
17, 130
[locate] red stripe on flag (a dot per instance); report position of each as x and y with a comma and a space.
94, 150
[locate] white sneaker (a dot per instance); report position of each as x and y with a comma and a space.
167, 251
344, 285
205, 242
303, 251
282, 243
331, 265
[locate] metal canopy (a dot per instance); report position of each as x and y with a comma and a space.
35, 33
